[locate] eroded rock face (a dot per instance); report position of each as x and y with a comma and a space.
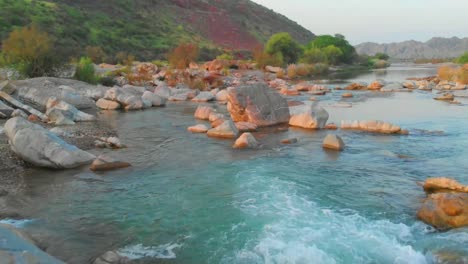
258, 104
333, 142
226, 130
307, 116
445, 210
43, 148
246, 140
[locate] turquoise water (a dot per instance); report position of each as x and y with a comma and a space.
192, 199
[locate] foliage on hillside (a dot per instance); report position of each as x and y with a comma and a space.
147, 28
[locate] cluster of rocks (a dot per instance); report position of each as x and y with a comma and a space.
446, 204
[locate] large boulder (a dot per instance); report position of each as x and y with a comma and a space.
226, 130
107, 104
246, 140
18, 248
445, 210
154, 99
163, 91
203, 112
5, 110
37, 145
333, 142
372, 126
308, 116
258, 104
203, 97
433, 185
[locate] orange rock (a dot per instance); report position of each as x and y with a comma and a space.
434, 185
217, 122
288, 92
33, 118
356, 86
289, 141
445, 210
347, 95
295, 103
377, 85
331, 126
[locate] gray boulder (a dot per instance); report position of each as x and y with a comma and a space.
17, 248
163, 91
308, 116
204, 97
5, 110
37, 145
154, 99
135, 90
257, 104
128, 100
63, 113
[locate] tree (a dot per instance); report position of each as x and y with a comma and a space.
463, 59
381, 56
30, 52
284, 44
314, 55
333, 54
183, 55
321, 42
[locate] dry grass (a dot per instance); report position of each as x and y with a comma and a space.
456, 74
280, 74
302, 70
462, 74
292, 71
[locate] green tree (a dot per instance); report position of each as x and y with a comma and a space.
321, 42
381, 56
314, 55
284, 44
463, 59
30, 52
333, 54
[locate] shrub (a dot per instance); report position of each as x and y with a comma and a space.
446, 73
462, 74
463, 59
291, 71
333, 54
183, 55
96, 54
381, 56
302, 70
124, 58
380, 64
321, 42
160, 63
85, 71
314, 55
225, 56
284, 44
140, 77
280, 74
319, 69
264, 59
30, 52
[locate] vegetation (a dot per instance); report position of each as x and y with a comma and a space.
456, 74
348, 53
314, 55
30, 52
183, 55
96, 54
282, 44
264, 59
85, 71
463, 59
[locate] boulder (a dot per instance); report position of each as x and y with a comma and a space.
434, 185
445, 97
246, 140
63, 113
163, 91
222, 96
215, 116
258, 104
226, 130
105, 163
5, 110
204, 97
445, 210
18, 248
107, 104
198, 128
37, 145
112, 257
126, 99
154, 99
372, 126
347, 95
308, 116
376, 85
273, 69
356, 86
333, 142
203, 112
135, 90
7, 87
246, 127
392, 87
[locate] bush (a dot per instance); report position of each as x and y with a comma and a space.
160, 63
379, 64
225, 56
314, 55
463, 59
321, 42
30, 52
334, 54
96, 54
85, 71
447, 73
302, 70
124, 58
284, 44
381, 56
264, 59
462, 74
319, 69
183, 55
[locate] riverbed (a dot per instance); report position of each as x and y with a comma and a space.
193, 199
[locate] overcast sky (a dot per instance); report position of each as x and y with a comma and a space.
380, 21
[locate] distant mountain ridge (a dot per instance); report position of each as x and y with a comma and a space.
435, 48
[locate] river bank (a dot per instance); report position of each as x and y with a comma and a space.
191, 198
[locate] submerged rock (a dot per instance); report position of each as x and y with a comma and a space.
258, 104
198, 128
105, 163
307, 116
246, 140
289, 141
43, 148
333, 142
347, 95
372, 126
445, 97
226, 130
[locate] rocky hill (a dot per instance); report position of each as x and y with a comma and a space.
149, 27
435, 48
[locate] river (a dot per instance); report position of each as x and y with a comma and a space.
192, 199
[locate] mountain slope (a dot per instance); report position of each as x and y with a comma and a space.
149, 27
434, 48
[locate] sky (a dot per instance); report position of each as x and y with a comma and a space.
381, 21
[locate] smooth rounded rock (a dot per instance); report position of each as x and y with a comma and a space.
333, 142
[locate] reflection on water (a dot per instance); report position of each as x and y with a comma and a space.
193, 199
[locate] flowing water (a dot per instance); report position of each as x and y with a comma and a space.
192, 199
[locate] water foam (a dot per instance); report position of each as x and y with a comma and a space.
140, 251
18, 223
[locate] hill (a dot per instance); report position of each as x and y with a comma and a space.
433, 49
148, 28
